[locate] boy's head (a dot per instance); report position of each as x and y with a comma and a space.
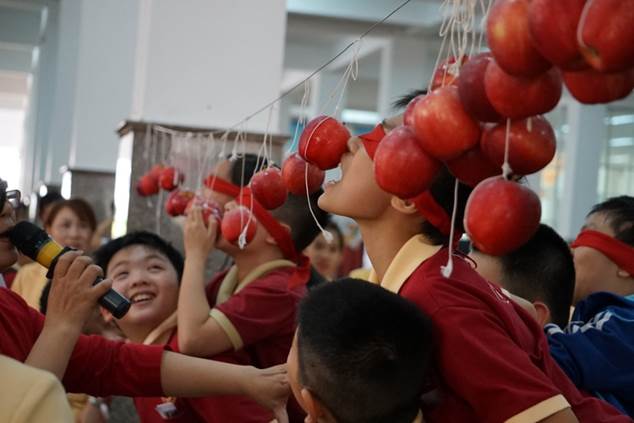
357, 194
147, 270
238, 172
540, 271
595, 270
360, 354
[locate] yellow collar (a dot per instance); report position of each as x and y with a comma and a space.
419, 418
167, 325
230, 284
409, 257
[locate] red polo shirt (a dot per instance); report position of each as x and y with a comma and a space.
217, 409
492, 356
97, 366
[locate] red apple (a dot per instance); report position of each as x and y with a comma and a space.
447, 73
553, 29
443, 128
147, 185
294, 175
592, 87
234, 223
606, 34
509, 39
471, 89
531, 144
177, 202
268, 188
408, 116
473, 167
517, 97
501, 215
156, 171
323, 142
170, 178
208, 207
401, 167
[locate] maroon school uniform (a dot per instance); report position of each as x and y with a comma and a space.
215, 409
259, 315
97, 366
493, 359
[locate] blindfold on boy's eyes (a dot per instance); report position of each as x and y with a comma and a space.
617, 251
372, 139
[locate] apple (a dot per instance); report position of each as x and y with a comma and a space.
294, 175
209, 208
268, 188
147, 185
447, 72
234, 223
532, 144
473, 167
156, 171
408, 116
401, 166
501, 215
553, 30
593, 87
177, 202
323, 141
510, 41
606, 34
170, 178
472, 91
518, 97
442, 126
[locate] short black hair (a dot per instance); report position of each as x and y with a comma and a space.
104, 254
542, 269
619, 212
364, 352
441, 189
296, 214
249, 164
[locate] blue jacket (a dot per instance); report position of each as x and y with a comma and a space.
596, 349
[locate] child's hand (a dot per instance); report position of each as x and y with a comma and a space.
199, 239
270, 388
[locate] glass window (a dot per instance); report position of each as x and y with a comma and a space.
616, 171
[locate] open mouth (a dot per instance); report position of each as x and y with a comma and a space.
142, 297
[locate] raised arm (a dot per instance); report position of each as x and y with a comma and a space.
198, 333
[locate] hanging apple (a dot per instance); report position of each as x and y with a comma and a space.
517, 97
408, 116
170, 178
147, 185
207, 206
532, 144
473, 167
553, 30
295, 176
447, 72
442, 126
177, 202
234, 224
509, 39
323, 142
593, 87
606, 34
401, 166
472, 91
268, 188
501, 215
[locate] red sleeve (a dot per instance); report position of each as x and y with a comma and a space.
487, 369
262, 309
100, 367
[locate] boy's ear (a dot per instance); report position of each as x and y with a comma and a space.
543, 312
270, 240
403, 206
107, 316
314, 408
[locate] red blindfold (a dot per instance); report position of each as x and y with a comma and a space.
620, 253
427, 206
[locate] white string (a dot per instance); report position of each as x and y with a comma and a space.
447, 270
302, 116
506, 167
327, 235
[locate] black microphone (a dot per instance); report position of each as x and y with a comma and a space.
34, 243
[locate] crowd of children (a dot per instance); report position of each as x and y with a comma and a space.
434, 335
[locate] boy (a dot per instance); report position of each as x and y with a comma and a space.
596, 348
540, 271
360, 355
493, 358
99, 367
147, 270
250, 309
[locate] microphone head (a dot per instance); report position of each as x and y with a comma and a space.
28, 238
